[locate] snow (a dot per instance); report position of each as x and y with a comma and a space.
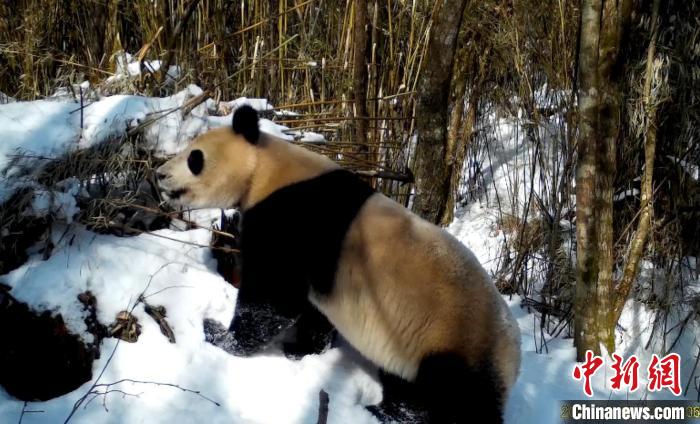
46, 129
267, 388
286, 113
545, 377
128, 66
4, 98
174, 268
309, 136
25, 126
625, 194
693, 170
61, 204
257, 104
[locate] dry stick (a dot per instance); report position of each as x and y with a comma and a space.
690, 377
80, 401
170, 215
312, 103
351, 156
322, 407
170, 47
26, 411
333, 102
141, 54
128, 380
360, 76
104, 398
181, 286
257, 24
136, 230
156, 116
387, 175
326, 127
379, 144
680, 331
158, 314
347, 118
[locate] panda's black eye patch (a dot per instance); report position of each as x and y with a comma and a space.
195, 161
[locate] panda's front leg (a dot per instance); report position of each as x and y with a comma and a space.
254, 327
312, 334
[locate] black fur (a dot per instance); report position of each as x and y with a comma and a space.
401, 401
245, 123
290, 243
447, 390
195, 161
313, 334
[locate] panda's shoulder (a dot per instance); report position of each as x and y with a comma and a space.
338, 190
317, 210
303, 226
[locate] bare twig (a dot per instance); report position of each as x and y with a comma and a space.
322, 407
27, 411
174, 36
176, 386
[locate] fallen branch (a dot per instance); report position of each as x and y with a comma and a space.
108, 386
322, 407
174, 36
158, 314
387, 175
27, 411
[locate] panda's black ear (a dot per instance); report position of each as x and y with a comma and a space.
245, 123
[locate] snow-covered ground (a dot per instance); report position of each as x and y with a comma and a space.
182, 277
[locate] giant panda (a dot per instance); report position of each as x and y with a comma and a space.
403, 292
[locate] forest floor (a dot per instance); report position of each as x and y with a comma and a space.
182, 277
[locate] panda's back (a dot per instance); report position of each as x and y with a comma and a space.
405, 288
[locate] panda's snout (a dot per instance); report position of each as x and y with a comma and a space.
161, 179
161, 174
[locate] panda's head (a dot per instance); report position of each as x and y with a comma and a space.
216, 170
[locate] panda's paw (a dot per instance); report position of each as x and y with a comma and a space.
315, 344
220, 336
393, 412
293, 351
296, 351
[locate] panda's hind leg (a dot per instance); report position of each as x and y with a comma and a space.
456, 392
401, 401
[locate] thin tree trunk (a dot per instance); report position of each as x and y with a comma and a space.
461, 131
360, 78
431, 171
585, 301
602, 28
111, 32
173, 35
454, 141
273, 72
644, 224
609, 75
